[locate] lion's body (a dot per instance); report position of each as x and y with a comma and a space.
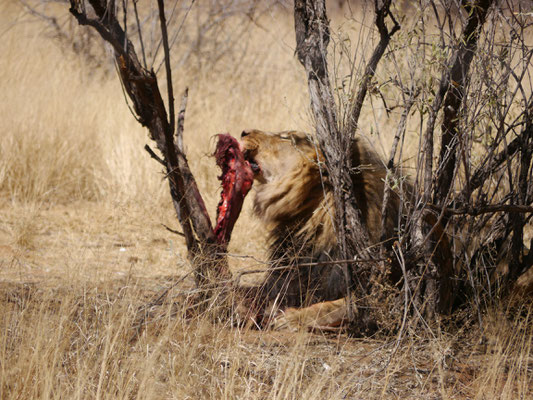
295, 201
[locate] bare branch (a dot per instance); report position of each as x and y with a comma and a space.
486, 209
454, 83
164, 38
400, 132
139, 30
382, 10
173, 231
488, 167
155, 156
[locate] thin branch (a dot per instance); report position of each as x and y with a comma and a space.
143, 312
164, 36
125, 94
174, 231
307, 265
488, 168
160, 41
456, 80
155, 156
100, 28
488, 209
382, 10
178, 31
400, 132
139, 30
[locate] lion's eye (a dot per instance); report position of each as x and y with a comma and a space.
284, 136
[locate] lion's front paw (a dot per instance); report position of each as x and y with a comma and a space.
329, 315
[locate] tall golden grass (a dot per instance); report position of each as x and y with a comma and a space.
82, 248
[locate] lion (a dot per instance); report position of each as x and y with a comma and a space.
294, 199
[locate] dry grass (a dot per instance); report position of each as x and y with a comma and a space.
75, 341
82, 247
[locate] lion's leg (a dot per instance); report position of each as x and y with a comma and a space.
327, 315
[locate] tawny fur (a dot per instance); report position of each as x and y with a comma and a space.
320, 316
294, 198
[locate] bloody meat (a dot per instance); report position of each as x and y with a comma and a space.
237, 178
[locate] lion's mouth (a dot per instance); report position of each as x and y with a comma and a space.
254, 166
249, 158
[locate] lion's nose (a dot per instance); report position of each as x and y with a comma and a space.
245, 133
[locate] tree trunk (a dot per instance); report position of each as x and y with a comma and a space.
454, 83
205, 253
338, 147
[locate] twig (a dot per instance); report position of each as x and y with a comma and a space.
173, 231
160, 41
173, 40
305, 265
125, 94
456, 80
492, 208
398, 251
115, 39
140, 32
400, 132
382, 11
164, 36
155, 156
488, 168
51, 20
156, 302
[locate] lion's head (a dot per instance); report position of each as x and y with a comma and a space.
290, 191
273, 155
292, 188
